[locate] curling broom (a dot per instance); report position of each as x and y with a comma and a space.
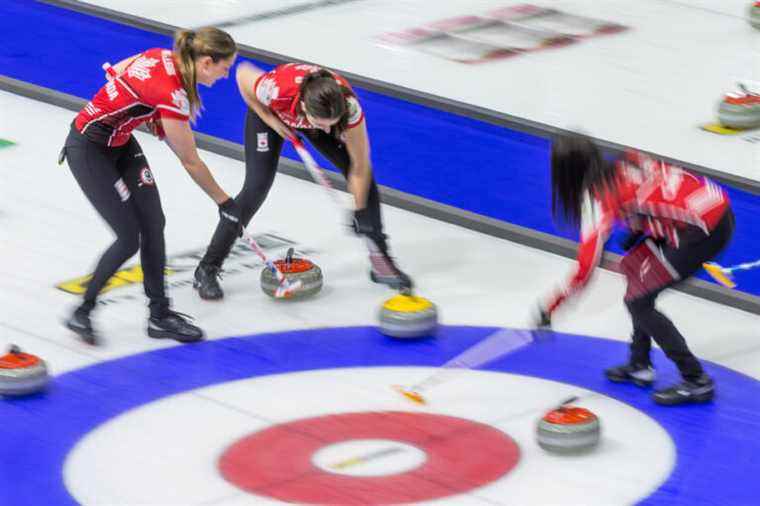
724, 275
493, 346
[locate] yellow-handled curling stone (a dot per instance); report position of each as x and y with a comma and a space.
408, 316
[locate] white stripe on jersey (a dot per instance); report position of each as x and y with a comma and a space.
172, 109
705, 199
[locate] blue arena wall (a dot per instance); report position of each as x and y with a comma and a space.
469, 164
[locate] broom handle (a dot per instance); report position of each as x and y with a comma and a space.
743, 267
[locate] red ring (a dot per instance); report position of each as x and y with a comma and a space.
461, 455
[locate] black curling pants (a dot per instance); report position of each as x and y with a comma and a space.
118, 182
679, 264
262, 154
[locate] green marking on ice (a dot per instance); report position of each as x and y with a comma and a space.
5, 143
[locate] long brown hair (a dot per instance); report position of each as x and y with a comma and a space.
189, 46
325, 98
578, 167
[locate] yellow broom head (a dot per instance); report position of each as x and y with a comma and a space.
717, 273
410, 394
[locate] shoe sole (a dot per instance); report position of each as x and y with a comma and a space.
637, 382
163, 334
688, 400
83, 335
197, 286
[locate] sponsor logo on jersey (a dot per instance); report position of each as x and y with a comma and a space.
146, 177
91, 109
179, 99
307, 68
181, 268
140, 69
111, 90
267, 91
354, 110
262, 142
168, 61
644, 269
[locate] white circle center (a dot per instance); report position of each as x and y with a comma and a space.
369, 457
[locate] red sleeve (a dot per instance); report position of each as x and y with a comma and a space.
173, 104
166, 92
355, 112
595, 230
268, 88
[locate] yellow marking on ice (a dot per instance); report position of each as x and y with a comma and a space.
407, 304
130, 276
717, 128
365, 458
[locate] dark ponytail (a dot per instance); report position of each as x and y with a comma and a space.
324, 98
578, 167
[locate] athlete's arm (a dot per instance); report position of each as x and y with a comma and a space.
360, 173
595, 230
180, 139
246, 76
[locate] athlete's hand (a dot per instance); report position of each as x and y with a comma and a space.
230, 212
542, 319
361, 222
154, 127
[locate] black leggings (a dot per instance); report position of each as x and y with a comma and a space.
118, 182
262, 153
648, 323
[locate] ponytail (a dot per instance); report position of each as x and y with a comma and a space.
189, 45
578, 167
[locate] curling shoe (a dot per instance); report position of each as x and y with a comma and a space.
701, 389
638, 374
173, 325
207, 281
79, 323
385, 271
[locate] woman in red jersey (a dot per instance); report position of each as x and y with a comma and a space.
158, 87
320, 105
678, 220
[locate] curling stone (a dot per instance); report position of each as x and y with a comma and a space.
741, 109
408, 316
754, 15
568, 429
21, 373
294, 269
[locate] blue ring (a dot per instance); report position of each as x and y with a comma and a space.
716, 450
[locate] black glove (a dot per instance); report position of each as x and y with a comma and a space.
229, 212
542, 319
631, 239
362, 223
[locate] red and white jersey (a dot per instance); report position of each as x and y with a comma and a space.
153, 90
651, 197
279, 89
